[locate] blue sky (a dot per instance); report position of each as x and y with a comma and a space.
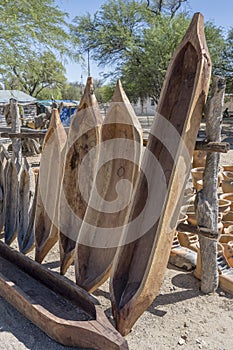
218, 11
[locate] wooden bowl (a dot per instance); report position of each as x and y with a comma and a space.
192, 220
227, 175
227, 167
197, 173
199, 159
228, 216
199, 185
223, 205
229, 197
227, 186
182, 218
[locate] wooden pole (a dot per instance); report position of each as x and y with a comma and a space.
207, 200
15, 128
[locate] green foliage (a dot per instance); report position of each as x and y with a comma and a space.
34, 40
137, 40
27, 24
104, 93
72, 91
34, 73
144, 73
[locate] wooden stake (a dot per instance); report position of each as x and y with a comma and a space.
15, 128
207, 199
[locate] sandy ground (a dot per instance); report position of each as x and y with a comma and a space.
180, 317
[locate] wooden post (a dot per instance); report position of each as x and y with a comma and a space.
15, 128
207, 200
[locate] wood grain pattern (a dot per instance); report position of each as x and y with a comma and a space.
46, 217
11, 203
61, 309
83, 137
2, 196
94, 253
27, 193
139, 267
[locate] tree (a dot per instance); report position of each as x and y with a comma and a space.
138, 38
72, 91
34, 40
168, 7
34, 25
34, 73
225, 67
144, 72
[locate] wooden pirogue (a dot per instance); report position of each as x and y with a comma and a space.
139, 266
83, 137
119, 160
11, 201
61, 309
46, 217
26, 207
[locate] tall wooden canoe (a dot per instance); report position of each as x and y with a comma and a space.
2, 196
27, 192
83, 137
61, 309
46, 218
4, 157
11, 202
119, 160
140, 264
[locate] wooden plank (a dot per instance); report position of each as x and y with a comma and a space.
46, 217
220, 147
23, 135
26, 285
11, 203
26, 203
140, 264
119, 161
83, 137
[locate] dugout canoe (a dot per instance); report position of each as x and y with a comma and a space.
11, 201
26, 198
46, 216
117, 172
83, 139
2, 196
65, 312
140, 264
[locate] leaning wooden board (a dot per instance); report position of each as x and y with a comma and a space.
62, 310
46, 217
83, 137
140, 265
119, 160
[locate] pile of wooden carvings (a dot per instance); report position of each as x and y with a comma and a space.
113, 210
187, 243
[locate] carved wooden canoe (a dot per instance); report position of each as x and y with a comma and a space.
27, 200
83, 137
46, 218
11, 202
61, 309
119, 160
140, 264
2, 196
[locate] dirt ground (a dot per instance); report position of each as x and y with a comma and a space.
180, 317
